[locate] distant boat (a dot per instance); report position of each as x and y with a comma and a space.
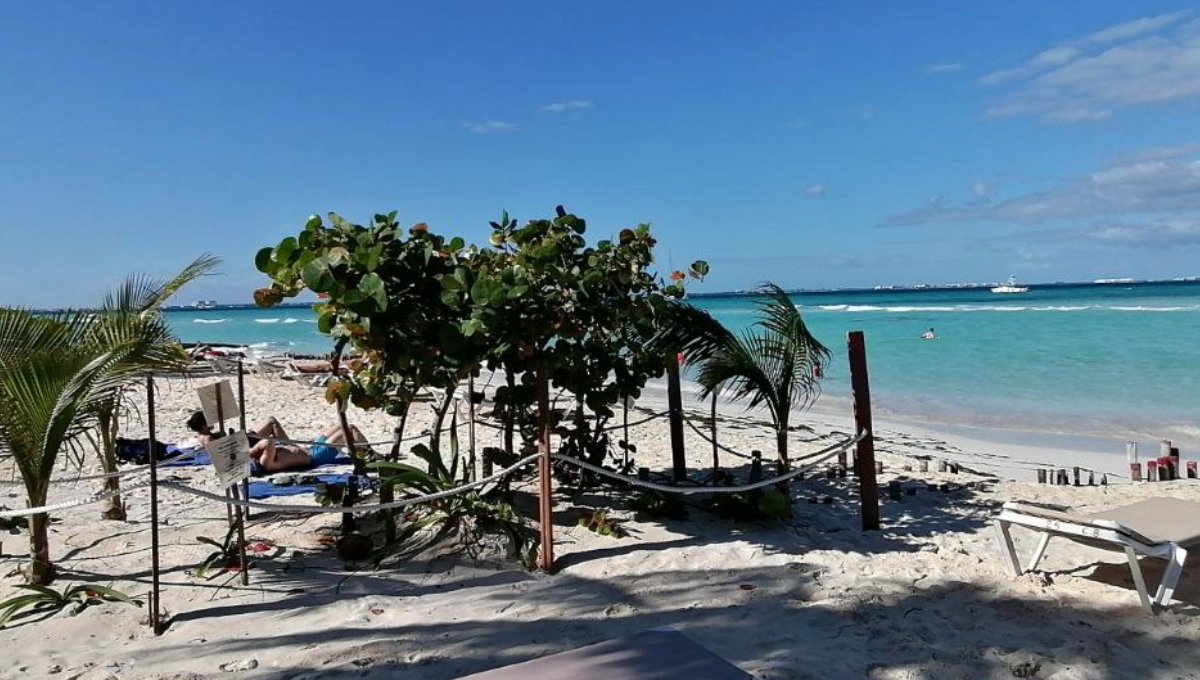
1010, 287
204, 304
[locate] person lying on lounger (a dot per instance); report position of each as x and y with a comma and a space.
279, 457
269, 428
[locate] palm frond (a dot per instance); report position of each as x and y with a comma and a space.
140, 293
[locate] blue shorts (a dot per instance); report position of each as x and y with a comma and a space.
322, 453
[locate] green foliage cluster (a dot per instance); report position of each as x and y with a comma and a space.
227, 554
599, 522
42, 599
421, 310
465, 516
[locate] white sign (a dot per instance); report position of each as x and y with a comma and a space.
210, 396
230, 457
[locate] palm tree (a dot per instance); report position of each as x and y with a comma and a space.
62, 375
775, 363
132, 311
51, 379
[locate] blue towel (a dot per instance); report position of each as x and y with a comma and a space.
262, 488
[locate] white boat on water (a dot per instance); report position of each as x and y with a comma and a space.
204, 304
1010, 287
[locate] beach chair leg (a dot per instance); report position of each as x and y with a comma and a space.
1007, 551
1038, 553
1171, 578
1138, 581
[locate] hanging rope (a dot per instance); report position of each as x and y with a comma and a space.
816, 458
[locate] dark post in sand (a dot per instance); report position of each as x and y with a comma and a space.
545, 502
675, 418
155, 621
860, 386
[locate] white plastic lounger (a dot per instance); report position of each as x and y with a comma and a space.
1158, 527
659, 654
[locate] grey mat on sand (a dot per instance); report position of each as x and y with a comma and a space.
659, 654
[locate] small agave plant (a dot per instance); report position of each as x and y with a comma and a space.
43, 599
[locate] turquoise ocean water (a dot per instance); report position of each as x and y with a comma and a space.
1119, 359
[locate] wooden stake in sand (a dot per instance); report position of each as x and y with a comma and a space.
155, 622
545, 502
861, 388
675, 418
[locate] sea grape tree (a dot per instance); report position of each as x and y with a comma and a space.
423, 310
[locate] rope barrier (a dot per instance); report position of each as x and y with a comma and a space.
819, 457
93, 498
356, 509
110, 475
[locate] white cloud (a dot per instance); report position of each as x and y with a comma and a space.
1160, 182
573, 105
1132, 29
947, 67
1150, 60
1172, 233
982, 191
817, 190
489, 126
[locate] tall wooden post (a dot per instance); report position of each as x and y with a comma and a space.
713, 423
242, 427
471, 428
155, 608
868, 487
675, 417
545, 501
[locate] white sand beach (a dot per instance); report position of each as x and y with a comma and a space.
814, 597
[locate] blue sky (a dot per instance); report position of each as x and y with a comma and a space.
812, 144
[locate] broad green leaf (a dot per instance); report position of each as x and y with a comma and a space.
372, 286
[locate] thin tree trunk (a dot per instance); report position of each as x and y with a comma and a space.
41, 570
509, 417
781, 442
113, 507
435, 443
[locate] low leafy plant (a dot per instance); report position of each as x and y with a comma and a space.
599, 522
763, 504
225, 555
657, 505
469, 515
41, 599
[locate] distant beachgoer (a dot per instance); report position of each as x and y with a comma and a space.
929, 335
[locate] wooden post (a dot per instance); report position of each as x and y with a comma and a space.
861, 388
155, 608
1041, 476
221, 425
713, 422
625, 431
471, 428
242, 427
675, 417
1075, 476
545, 502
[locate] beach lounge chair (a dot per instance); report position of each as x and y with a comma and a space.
1158, 527
659, 654
311, 373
